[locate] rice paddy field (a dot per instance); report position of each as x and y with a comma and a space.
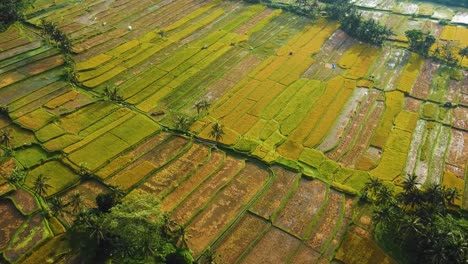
309, 114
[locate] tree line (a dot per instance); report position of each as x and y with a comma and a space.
420, 222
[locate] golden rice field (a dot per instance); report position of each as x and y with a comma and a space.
309, 114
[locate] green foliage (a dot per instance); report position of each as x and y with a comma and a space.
11, 11
40, 185
217, 131
112, 94
418, 221
336, 9
17, 176
182, 123
5, 138
56, 36
369, 31
419, 42
133, 231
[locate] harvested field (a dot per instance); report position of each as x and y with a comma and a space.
226, 205
10, 221
294, 217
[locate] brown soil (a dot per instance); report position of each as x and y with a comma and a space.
240, 238
10, 221
328, 223
35, 226
270, 202
275, 247
171, 175
226, 206
215, 162
25, 201
302, 207
201, 196
305, 255
460, 117
422, 86
88, 190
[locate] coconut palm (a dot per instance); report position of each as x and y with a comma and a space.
75, 202
450, 194
6, 138
57, 206
181, 123
463, 53
203, 104
181, 237
384, 194
217, 131
410, 183
112, 94
40, 185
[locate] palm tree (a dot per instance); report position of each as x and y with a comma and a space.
75, 202
384, 194
208, 257
181, 123
203, 104
373, 186
40, 185
410, 184
450, 194
57, 206
217, 131
463, 53
116, 192
113, 94
410, 195
181, 237
95, 229
5, 138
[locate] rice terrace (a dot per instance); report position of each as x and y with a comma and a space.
255, 131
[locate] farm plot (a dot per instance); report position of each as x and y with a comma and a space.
294, 217
87, 191
397, 147
31, 233
149, 162
95, 150
11, 220
225, 206
60, 177
24, 201
358, 132
170, 176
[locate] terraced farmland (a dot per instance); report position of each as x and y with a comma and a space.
309, 114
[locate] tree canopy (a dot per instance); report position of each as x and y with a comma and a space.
367, 30
133, 231
419, 41
11, 11
418, 222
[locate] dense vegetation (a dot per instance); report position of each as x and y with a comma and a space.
11, 11
366, 30
418, 221
132, 231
